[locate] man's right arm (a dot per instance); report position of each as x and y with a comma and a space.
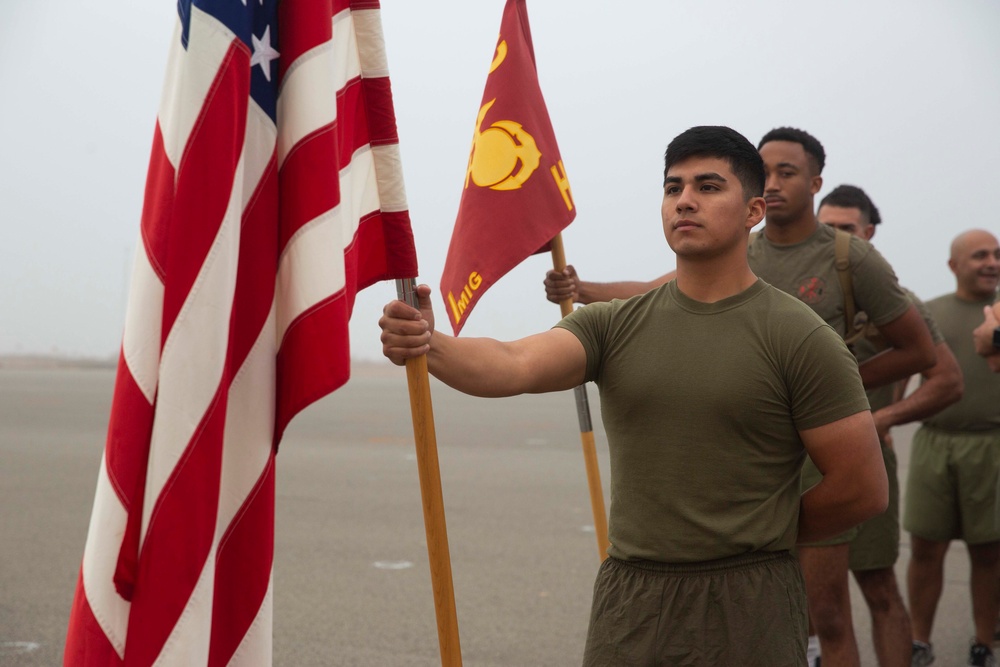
566, 284
550, 361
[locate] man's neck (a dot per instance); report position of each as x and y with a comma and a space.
796, 231
713, 280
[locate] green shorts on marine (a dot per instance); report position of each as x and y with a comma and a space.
748, 610
811, 476
951, 490
876, 545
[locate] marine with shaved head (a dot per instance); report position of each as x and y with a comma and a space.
951, 492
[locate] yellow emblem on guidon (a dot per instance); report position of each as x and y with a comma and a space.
496, 152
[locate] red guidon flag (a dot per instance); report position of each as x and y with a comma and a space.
274, 193
516, 196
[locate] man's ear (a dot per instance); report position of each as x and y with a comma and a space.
756, 208
816, 184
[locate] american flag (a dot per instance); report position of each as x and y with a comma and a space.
274, 193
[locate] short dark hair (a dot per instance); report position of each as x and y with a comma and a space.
810, 143
851, 196
724, 143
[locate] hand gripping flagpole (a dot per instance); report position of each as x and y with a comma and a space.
586, 428
430, 492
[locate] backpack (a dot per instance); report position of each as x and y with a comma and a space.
856, 324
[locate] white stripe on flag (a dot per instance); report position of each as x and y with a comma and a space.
300, 110
143, 324
249, 429
371, 51
389, 169
258, 146
190, 74
100, 557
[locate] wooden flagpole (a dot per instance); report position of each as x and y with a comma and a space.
586, 427
429, 472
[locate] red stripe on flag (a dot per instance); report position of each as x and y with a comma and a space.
157, 204
352, 120
254, 292
205, 179
303, 26
243, 569
381, 119
130, 424
184, 514
379, 251
309, 181
126, 460
313, 360
86, 643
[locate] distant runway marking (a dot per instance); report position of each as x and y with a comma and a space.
392, 564
586, 529
18, 648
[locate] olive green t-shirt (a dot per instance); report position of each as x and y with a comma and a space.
865, 349
979, 407
807, 270
702, 404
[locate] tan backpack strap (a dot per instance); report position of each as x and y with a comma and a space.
842, 261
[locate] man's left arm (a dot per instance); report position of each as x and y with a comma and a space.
942, 385
911, 350
854, 487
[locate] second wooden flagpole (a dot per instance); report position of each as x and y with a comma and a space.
586, 427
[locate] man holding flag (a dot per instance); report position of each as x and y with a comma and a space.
713, 388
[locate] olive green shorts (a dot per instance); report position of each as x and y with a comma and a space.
811, 476
951, 491
749, 610
876, 545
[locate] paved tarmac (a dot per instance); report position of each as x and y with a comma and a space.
351, 578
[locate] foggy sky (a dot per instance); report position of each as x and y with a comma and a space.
904, 96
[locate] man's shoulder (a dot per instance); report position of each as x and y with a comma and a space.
782, 306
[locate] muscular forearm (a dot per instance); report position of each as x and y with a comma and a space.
911, 350
925, 401
894, 364
491, 368
941, 387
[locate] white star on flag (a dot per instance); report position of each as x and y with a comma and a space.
263, 54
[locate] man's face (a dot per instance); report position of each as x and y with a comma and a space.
704, 212
848, 219
976, 264
790, 183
